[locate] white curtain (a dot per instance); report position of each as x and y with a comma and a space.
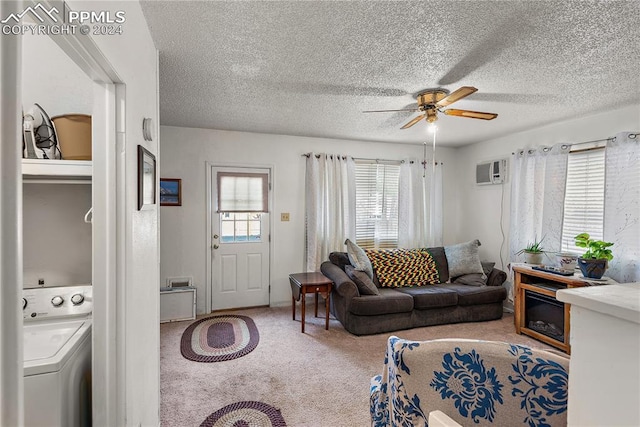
622, 206
537, 199
330, 206
420, 205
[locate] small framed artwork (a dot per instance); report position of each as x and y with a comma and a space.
170, 192
146, 178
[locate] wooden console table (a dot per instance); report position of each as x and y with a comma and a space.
542, 283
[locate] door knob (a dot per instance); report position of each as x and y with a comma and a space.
215, 236
216, 246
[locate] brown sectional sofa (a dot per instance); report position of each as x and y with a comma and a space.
410, 307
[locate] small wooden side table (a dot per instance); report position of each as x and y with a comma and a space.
306, 283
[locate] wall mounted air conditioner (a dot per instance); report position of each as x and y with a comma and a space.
494, 172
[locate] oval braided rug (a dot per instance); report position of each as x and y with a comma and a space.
219, 338
245, 414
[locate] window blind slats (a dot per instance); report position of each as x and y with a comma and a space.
376, 205
584, 198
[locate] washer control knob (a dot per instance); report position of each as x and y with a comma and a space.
77, 299
57, 301
24, 303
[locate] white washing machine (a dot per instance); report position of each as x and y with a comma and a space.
57, 356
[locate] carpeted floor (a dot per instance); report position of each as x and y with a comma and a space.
320, 378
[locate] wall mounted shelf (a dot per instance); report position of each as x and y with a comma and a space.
57, 171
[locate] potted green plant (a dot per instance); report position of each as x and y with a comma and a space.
595, 260
533, 252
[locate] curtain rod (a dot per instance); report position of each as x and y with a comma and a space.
379, 160
611, 138
360, 158
387, 161
375, 160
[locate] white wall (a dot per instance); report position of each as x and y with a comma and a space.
184, 153
52, 80
134, 57
56, 240
479, 205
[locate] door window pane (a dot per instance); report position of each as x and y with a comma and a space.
254, 231
240, 227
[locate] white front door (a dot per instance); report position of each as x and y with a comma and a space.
239, 251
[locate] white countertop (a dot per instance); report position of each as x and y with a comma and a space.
620, 300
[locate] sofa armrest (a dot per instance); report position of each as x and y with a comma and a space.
341, 281
496, 277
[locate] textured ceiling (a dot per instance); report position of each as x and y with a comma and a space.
311, 67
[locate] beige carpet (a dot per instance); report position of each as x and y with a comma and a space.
320, 378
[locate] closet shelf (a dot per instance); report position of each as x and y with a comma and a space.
67, 171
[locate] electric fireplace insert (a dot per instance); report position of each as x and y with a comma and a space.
544, 315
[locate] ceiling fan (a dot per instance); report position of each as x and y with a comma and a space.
431, 102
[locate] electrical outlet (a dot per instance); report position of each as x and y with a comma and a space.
284, 216
40, 282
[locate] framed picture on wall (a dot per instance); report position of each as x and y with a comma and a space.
146, 178
170, 192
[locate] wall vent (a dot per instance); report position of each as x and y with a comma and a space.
179, 282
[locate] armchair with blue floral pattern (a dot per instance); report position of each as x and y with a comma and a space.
474, 382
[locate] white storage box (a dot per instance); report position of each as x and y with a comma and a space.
177, 304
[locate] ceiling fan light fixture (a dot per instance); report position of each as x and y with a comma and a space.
432, 128
431, 115
431, 97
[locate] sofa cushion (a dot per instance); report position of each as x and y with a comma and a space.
463, 258
341, 259
403, 267
477, 279
487, 266
473, 279
473, 295
389, 301
425, 297
359, 258
363, 282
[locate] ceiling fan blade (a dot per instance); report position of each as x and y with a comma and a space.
471, 114
391, 111
457, 95
413, 121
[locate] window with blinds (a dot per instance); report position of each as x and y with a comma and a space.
584, 198
377, 204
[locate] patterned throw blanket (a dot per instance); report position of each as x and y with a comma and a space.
403, 267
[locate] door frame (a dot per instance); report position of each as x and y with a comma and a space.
208, 233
